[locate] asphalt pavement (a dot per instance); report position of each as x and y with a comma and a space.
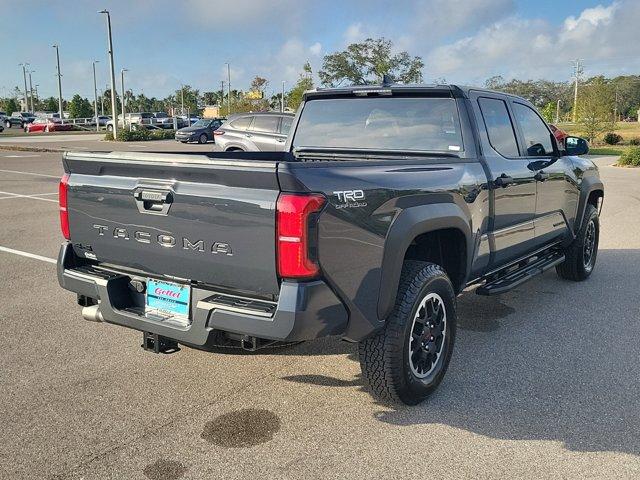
544, 381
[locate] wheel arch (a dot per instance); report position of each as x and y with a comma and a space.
415, 228
591, 191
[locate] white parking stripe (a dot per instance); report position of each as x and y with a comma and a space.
28, 255
31, 173
20, 156
33, 197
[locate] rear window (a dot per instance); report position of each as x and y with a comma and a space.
285, 126
381, 123
241, 123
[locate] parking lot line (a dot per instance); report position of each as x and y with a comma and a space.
30, 173
9, 195
28, 255
20, 156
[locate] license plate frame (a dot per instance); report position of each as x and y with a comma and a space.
168, 299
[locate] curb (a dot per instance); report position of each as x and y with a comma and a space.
20, 148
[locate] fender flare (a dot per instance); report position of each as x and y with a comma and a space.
408, 225
587, 186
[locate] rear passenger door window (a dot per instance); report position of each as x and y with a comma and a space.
536, 135
265, 124
499, 127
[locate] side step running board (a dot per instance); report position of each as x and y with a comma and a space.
511, 278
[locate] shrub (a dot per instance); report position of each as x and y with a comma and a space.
142, 135
612, 138
631, 157
634, 141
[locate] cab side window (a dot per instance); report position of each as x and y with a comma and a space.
537, 138
499, 127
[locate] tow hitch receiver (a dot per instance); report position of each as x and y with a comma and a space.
152, 342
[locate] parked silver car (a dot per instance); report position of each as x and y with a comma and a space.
252, 132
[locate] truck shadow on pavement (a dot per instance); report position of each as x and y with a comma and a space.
562, 367
552, 360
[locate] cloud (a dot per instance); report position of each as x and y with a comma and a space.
315, 49
530, 48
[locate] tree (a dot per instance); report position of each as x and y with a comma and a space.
596, 102
80, 107
187, 95
9, 105
304, 83
259, 84
366, 62
548, 112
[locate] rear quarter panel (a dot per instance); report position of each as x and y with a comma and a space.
353, 236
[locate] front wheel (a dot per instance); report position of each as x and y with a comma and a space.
407, 359
580, 256
7, 124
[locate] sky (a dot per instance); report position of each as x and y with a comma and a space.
165, 43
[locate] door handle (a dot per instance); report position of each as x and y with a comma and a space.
503, 180
541, 176
248, 135
280, 140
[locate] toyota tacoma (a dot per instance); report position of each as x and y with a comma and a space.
387, 203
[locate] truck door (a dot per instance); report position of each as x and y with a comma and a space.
513, 186
557, 195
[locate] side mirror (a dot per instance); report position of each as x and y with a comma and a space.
576, 146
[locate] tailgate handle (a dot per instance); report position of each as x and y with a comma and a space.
154, 202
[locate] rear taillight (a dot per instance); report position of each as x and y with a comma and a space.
62, 201
293, 242
218, 132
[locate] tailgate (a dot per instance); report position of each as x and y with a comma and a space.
192, 217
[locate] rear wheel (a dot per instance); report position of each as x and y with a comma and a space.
408, 358
203, 138
580, 256
109, 128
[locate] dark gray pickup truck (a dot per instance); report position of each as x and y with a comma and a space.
387, 202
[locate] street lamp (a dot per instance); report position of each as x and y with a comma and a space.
24, 75
228, 88
59, 81
124, 122
31, 90
114, 113
95, 96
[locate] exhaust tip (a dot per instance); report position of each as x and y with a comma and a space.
92, 314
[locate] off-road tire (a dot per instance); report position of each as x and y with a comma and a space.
203, 136
384, 357
574, 266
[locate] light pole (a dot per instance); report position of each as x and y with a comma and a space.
24, 75
114, 112
95, 96
59, 81
31, 90
282, 99
182, 99
228, 88
124, 116
36, 89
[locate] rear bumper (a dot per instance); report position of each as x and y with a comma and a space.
304, 311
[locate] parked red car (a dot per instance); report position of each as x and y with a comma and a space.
47, 125
559, 134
